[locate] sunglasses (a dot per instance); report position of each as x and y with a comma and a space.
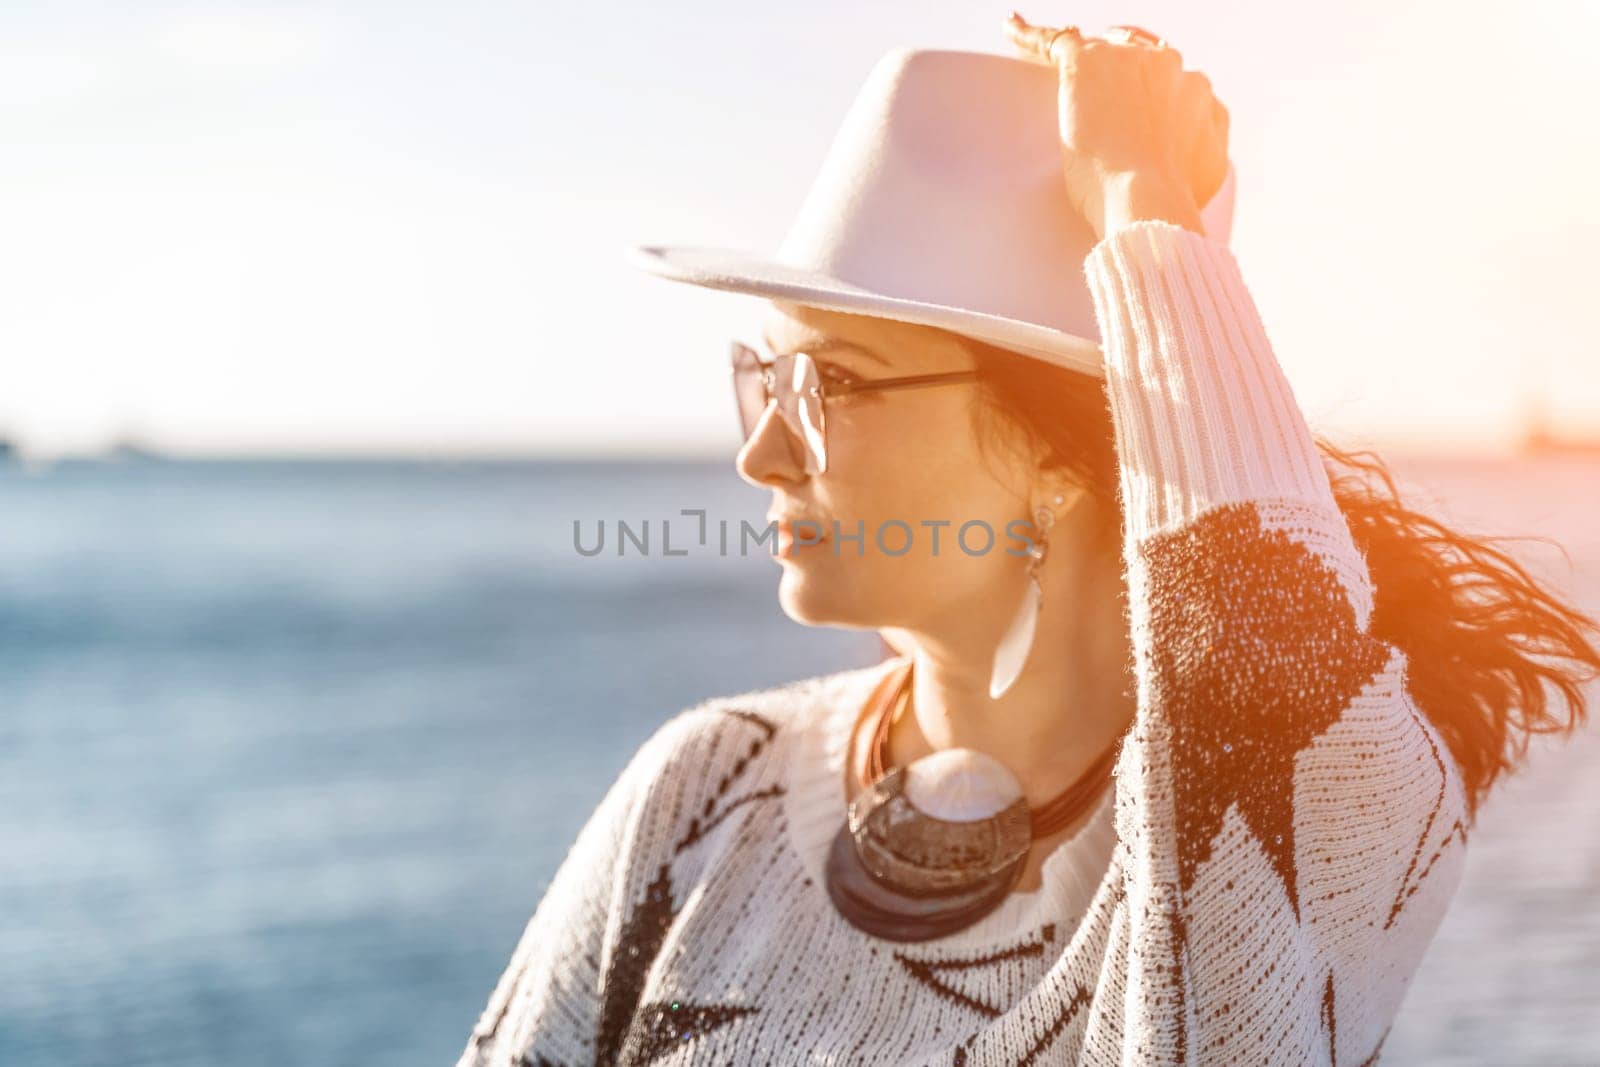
796, 382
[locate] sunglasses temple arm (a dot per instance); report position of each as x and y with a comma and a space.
917, 382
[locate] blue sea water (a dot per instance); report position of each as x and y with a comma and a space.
289, 749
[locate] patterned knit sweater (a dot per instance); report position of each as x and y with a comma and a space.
1284, 834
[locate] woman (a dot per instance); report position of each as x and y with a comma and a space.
1304, 688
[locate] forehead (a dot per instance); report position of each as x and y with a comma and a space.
864, 340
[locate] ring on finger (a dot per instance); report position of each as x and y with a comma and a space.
1134, 35
1050, 42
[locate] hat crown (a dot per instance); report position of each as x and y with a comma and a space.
940, 202
944, 185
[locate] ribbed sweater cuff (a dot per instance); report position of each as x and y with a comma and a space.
1202, 411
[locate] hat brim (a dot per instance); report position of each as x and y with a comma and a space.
735, 271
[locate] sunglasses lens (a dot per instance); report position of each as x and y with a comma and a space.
796, 385
800, 400
748, 392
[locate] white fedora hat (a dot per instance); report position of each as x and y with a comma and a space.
941, 201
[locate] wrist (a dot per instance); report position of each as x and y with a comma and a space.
1132, 196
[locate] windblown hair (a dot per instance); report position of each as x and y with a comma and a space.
1494, 655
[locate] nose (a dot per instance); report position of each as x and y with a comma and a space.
772, 456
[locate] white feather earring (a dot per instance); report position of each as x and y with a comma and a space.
1012, 652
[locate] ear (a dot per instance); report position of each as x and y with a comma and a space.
1056, 492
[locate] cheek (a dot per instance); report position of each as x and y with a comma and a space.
916, 444
913, 458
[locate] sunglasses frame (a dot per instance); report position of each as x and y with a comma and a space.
742, 355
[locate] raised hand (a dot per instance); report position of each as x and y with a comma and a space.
1140, 135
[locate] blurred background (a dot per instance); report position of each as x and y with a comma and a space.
316, 339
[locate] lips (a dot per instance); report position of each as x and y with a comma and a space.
816, 534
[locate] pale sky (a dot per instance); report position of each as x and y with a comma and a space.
400, 226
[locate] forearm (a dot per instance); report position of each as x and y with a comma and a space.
1130, 196
1202, 410
1293, 826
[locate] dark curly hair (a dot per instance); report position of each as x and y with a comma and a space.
1494, 655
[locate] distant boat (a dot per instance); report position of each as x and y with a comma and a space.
129, 451
8, 450
1539, 440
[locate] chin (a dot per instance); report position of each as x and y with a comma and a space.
815, 594
806, 600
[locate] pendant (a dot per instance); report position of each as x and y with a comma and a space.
931, 848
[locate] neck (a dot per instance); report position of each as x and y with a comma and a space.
1073, 698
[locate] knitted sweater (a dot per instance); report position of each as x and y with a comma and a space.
1283, 837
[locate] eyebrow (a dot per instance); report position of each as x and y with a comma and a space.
827, 344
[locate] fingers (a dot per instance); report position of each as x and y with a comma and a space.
1041, 43
1166, 54
1204, 142
1047, 44
1195, 97
1203, 104
1219, 114
1052, 46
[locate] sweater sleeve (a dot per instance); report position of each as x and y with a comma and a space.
546, 1007
1291, 828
